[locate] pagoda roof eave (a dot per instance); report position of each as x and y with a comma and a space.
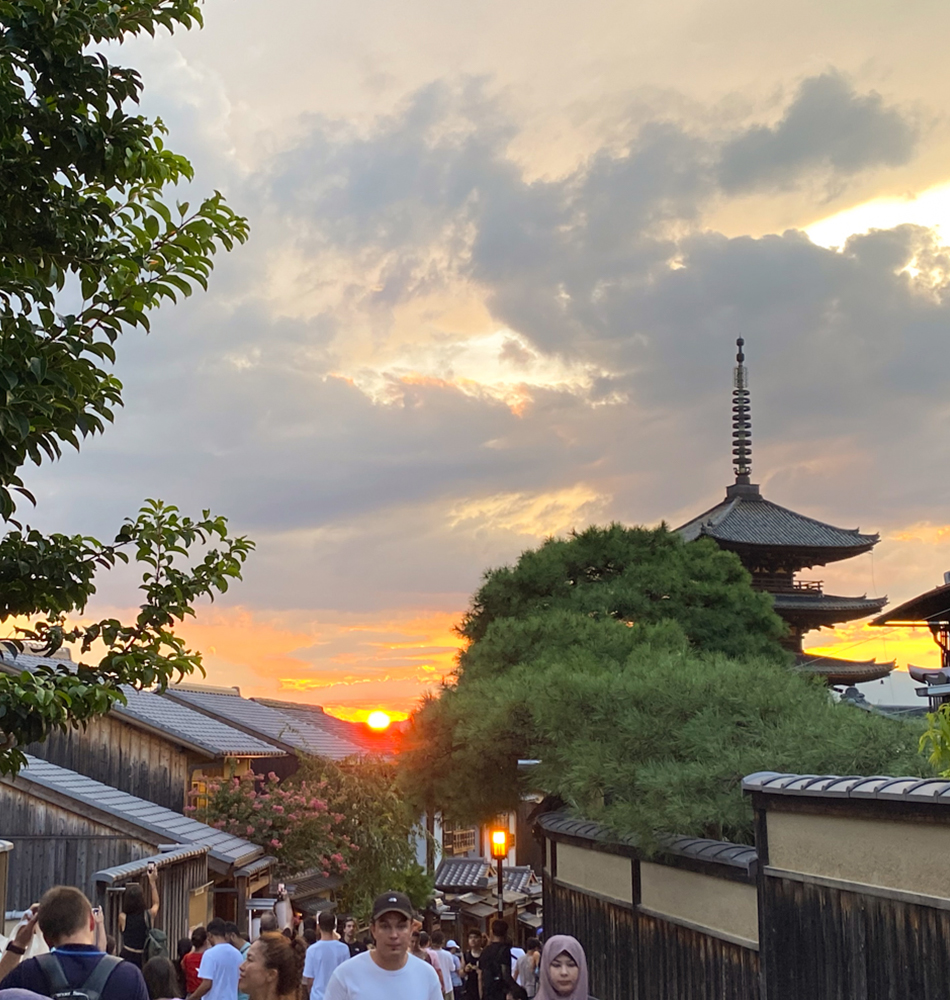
748, 521
825, 610
838, 671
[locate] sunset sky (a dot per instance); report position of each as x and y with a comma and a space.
500, 255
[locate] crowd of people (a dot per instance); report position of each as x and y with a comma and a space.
325, 961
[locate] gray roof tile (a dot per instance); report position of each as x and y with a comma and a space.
462, 873
361, 736
179, 720
170, 826
757, 521
878, 786
265, 722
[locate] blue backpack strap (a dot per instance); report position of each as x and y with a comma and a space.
53, 971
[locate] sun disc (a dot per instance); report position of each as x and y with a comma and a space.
378, 720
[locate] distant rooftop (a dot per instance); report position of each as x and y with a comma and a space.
162, 826
150, 711
263, 721
178, 720
466, 874
383, 742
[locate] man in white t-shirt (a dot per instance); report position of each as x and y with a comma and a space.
388, 972
220, 965
323, 957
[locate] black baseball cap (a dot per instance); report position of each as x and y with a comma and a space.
392, 902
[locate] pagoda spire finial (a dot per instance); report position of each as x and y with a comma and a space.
741, 420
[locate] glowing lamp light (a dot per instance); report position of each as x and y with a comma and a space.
378, 721
499, 843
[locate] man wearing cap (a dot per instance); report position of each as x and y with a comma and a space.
388, 972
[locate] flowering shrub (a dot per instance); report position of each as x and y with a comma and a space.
291, 820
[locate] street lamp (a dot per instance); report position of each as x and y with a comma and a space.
499, 851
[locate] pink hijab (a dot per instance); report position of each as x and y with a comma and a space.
552, 948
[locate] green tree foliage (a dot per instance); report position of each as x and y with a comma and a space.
935, 740
83, 223
637, 721
348, 819
379, 823
637, 575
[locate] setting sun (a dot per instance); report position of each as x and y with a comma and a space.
378, 720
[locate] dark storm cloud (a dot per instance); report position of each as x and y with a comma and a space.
828, 125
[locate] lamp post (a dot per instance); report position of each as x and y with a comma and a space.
499, 851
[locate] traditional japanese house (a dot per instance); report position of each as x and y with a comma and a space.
65, 828
470, 897
775, 544
152, 747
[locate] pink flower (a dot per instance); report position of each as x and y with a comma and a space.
274, 842
279, 810
326, 874
250, 830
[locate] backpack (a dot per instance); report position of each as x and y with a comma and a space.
156, 942
91, 989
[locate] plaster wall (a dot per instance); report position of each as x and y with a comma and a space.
719, 904
888, 854
606, 874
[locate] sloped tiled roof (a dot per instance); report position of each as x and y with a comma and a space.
753, 520
828, 602
263, 721
838, 671
180, 723
461, 874
217, 738
932, 607
353, 732
518, 878
158, 824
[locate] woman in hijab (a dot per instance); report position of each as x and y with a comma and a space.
562, 970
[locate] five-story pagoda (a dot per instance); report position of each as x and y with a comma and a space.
775, 544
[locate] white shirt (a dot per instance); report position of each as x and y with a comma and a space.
362, 979
322, 958
220, 964
444, 958
516, 953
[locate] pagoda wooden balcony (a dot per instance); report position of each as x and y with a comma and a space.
787, 585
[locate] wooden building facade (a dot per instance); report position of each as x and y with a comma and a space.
67, 829
184, 885
158, 749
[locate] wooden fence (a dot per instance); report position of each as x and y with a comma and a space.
184, 889
845, 897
